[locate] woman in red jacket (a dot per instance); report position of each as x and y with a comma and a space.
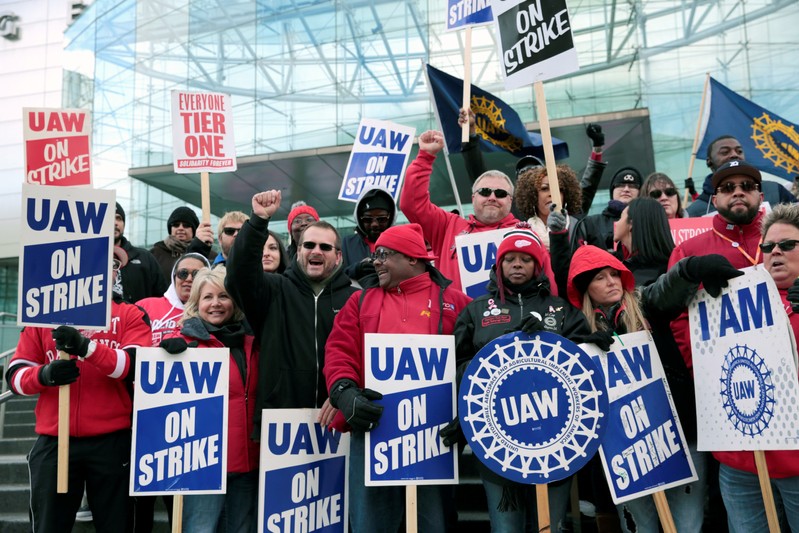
212, 320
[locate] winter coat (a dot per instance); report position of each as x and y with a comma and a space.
242, 452
164, 313
142, 276
290, 322
100, 402
424, 304
439, 226
597, 230
166, 258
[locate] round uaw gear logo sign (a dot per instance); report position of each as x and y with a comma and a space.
778, 142
490, 124
747, 390
533, 407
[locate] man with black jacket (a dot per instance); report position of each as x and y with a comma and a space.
141, 277
291, 314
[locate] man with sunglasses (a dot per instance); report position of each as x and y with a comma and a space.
492, 196
722, 150
292, 313
413, 298
182, 233
375, 212
227, 229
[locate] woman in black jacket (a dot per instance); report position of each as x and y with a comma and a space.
518, 292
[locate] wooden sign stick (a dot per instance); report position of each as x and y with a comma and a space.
411, 515
664, 512
205, 191
765, 488
542, 505
467, 81
696, 138
177, 507
546, 137
62, 481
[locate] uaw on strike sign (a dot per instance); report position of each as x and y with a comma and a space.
202, 133
57, 146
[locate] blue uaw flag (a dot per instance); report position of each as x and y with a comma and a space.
498, 125
770, 142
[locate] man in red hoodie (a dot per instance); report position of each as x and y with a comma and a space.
413, 297
492, 196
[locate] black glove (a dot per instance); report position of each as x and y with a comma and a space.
712, 271
59, 372
531, 324
594, 132
556, 221
356, 404
364, 268
69, 339
689, 184
450, 434
176, 345
603, 339
793, 295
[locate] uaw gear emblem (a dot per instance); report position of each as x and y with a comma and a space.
490, 125
533, 407
747, 390
777, 142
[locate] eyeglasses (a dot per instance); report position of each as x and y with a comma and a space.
786, 246
230, 231
628, 185
486, 192
302, 219
184, 273
310, 245
657, 193
181, 225
730, 186
382, 254
368, 221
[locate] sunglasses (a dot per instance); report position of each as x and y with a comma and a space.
382, 255
786, 246
657, 193
729, 187
230, 231
181, 225
371, 220
184, 273
325, 247
486, 192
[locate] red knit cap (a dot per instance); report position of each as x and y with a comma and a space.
301, 210
406, 239
522, 239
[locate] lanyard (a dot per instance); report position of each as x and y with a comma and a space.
740, 248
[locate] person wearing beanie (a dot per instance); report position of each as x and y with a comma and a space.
140, 276
181, 227
519, 298
412, 298
300, 217
597, 230
375, 212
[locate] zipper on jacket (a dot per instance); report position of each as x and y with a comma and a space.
521, 308
316, 344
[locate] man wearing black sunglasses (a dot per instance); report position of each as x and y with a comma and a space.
492, 197
292, 313
375, 212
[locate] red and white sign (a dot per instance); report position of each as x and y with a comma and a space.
202, 133
683, 229
57, 146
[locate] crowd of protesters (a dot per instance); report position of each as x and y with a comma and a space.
294, 320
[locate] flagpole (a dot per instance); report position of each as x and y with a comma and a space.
446, 149
467, 81
546, 137
696, 135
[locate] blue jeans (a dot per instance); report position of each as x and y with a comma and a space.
381, 509
686, 502
202, 513
525, 518
746, 512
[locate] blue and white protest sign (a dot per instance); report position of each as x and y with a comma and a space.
180, 412
744, 367
66, 241
463, 13
533, 408
416, 375
378, 159
477, 253
535, 40
304, 471
644, 449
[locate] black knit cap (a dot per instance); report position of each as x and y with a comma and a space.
625, 176
120, 212
183, 214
